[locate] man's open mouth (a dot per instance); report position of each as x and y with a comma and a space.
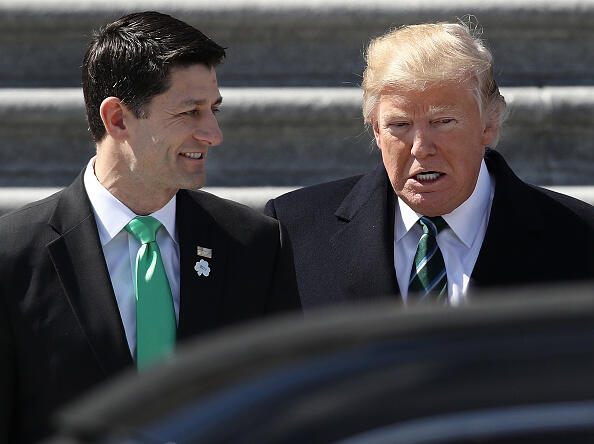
193, 155
428, 176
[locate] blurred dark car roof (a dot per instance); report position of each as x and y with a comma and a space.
517, 365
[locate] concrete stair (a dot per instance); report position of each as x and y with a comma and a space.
291, 115
295, 136
304, 42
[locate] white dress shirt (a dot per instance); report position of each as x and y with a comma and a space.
120, 248
460, 244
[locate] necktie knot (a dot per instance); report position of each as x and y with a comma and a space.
143, 228
432, 225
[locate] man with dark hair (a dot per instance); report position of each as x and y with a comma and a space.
116, 269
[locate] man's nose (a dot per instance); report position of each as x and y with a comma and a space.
422, 144
208, 131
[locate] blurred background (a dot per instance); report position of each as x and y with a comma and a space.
291, 115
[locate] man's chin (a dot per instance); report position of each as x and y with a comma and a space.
194, 184
428, 204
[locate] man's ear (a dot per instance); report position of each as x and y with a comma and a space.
490, 131
112, 112
376, 134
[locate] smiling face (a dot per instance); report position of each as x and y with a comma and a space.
432, 143
167, 150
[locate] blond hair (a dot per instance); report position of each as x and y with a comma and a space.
421, 56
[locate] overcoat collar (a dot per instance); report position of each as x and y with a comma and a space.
515, 228
363, 244
364, 240
78, 259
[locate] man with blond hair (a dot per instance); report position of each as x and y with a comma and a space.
443, 215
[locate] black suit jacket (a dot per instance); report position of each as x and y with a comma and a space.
343, 237
60, 328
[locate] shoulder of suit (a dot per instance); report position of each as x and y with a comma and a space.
25, 231
322, 193
39, 210
568, 206
228, 213
555, 208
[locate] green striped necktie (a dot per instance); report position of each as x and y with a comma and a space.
155, 315
428, 278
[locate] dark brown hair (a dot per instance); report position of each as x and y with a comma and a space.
131, 59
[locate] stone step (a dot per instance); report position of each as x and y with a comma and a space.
295, 136
12, 198
304, 42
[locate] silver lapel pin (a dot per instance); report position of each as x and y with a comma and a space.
204, 252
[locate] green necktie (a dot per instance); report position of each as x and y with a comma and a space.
428, 278
155, 315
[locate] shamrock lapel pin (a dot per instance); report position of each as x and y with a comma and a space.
202, 268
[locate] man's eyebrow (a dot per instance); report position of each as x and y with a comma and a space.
394, 115
200, 102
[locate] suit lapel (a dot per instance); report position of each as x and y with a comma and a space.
200, 295
80, 265
363, 244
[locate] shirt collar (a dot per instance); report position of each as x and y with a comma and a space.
112, 215
463, 219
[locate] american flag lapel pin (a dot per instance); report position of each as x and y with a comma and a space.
204, 252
